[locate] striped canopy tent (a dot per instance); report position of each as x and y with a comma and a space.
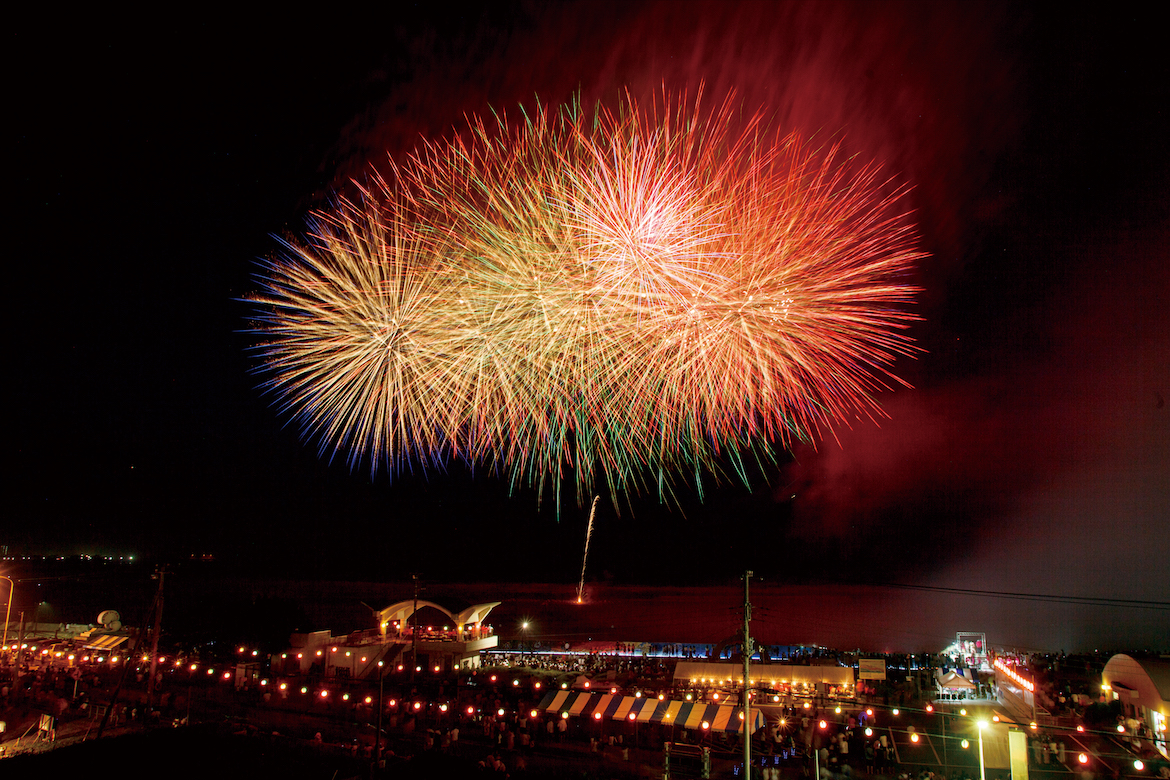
103, 642
684, 714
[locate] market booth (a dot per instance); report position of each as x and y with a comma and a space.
953, 686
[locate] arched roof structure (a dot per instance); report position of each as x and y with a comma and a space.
1142, 686
1139, 680
403, 610
476, 614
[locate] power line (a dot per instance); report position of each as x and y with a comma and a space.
1091, 601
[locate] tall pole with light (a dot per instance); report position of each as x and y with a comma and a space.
378, 736
982, 769
747, 686
414, 632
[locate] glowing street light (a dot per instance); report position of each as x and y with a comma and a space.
982, 769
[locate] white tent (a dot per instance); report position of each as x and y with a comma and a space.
953, 681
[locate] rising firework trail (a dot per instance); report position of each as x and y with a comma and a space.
631, 298
585, 557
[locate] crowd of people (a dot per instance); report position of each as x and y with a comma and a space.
496, 709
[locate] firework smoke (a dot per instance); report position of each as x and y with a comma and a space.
626, 296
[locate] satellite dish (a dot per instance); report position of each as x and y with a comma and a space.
109, 619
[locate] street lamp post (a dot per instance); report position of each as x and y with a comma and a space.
982, 769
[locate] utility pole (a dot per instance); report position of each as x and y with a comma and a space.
378, 737
414, 632
155, 630
130, 656
19, 647
747, 686
8, 611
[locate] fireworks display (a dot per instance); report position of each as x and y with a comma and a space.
631, 297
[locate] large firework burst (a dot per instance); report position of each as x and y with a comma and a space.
619, 297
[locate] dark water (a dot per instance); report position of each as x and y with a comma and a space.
211, 602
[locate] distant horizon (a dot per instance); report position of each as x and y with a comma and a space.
838, 615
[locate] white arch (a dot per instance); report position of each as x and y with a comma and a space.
403, 610
475, 614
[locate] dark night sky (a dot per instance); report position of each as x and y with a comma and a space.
1031, 455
